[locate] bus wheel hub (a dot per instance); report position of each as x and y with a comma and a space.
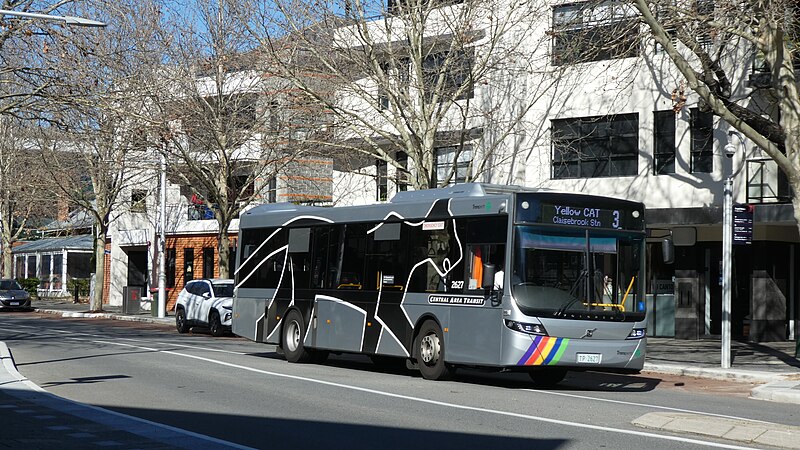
429, 349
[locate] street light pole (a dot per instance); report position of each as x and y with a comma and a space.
162, 241
68, 20
727, 248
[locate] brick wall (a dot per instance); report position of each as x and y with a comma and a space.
197, 243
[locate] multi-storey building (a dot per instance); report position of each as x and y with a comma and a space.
617, 119
584, 105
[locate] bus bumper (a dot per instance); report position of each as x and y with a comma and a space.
624, 355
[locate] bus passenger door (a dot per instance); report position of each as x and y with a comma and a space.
473, 334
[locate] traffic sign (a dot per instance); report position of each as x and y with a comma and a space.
743, 224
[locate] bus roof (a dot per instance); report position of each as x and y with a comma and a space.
467, 199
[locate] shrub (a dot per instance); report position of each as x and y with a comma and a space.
30, 285
81, 283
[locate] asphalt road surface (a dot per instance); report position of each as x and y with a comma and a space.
244, 393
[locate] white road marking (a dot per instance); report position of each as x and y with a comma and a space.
436, 402
645, 405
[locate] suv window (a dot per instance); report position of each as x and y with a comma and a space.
201, 288
223, 290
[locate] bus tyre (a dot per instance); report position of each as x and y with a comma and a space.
294, 331
180, 321
215, 324
547, 377
429, 349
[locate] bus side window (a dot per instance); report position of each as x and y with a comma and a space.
352, 261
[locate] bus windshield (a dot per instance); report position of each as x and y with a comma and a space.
585, 274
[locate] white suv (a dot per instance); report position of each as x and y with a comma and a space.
208, 303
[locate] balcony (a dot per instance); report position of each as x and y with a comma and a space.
199, 212
765, 182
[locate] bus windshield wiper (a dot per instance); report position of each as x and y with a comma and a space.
572, 291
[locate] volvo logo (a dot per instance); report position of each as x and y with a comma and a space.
589, 333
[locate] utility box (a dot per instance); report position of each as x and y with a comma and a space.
131, 299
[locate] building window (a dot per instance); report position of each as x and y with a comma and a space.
240, 187
705, 13
382, 179
457, 73
208, 262
232, 260
170, 262
702, 130
188, 265
452, 165
139, 201
401, 177
592, 147
663, 142
383, 95
594, 31
272, 189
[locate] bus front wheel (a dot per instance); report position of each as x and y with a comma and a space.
429, 348
294, 331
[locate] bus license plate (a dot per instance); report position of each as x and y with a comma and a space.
589, 358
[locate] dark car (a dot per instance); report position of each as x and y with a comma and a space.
12, 296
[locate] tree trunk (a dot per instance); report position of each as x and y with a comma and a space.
7, 259
96, 302
223, 247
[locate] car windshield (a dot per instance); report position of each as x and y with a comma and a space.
9, 285
578, 275
223, 289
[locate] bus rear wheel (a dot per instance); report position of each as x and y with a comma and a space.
547, 377
294, 331
429, 349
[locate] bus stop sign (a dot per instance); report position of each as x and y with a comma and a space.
743, 224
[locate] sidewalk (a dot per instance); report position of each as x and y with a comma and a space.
78, 426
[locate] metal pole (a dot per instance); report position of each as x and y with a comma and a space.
162, 241
68, 20
727, 238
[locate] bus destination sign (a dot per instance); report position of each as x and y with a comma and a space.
581, 216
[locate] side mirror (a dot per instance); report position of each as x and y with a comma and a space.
488, 276
668, 251
206, 294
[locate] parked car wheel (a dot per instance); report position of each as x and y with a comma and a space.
215, 324
180, 321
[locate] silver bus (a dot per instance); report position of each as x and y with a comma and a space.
472, 275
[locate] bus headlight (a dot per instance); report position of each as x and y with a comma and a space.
637, 333
529, 328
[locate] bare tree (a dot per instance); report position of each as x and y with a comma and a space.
25, 79
444, 85
24, 191
225, 120
91, 138
712, 44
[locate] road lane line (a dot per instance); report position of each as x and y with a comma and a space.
440, 403
646, 405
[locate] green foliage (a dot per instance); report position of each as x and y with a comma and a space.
30, 285
81, 283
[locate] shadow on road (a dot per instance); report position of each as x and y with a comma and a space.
575, 380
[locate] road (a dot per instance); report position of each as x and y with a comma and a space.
243, 392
